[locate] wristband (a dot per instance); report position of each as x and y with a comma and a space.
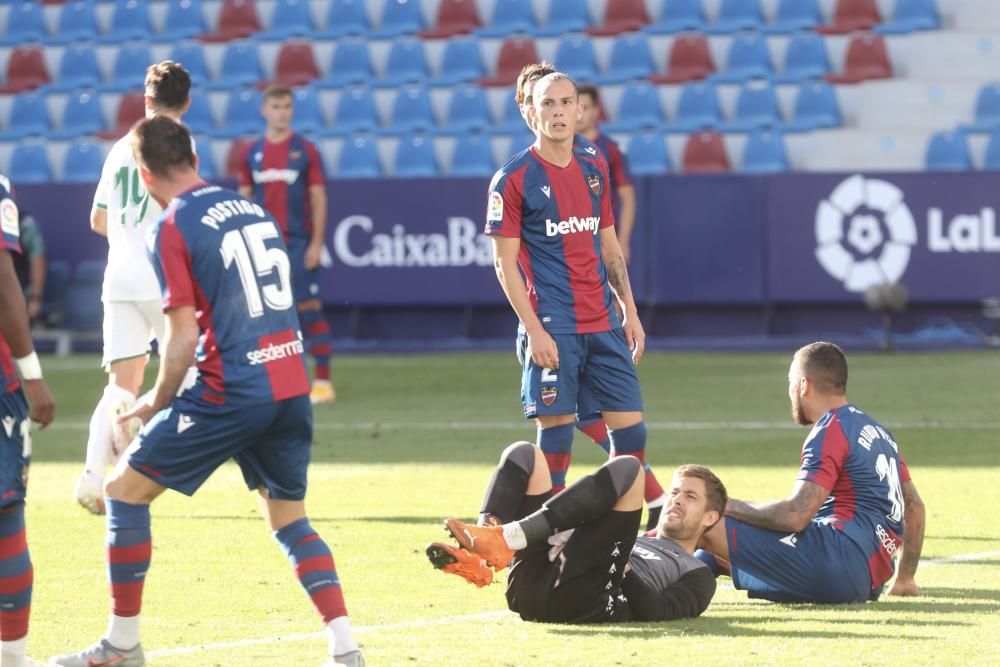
29, 367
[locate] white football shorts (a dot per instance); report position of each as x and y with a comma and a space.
129, 326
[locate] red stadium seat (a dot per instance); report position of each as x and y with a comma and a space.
237, 20
234, 159
296, 65
515, 53
25, 70
705, 153
851, 15
621, 16
689, 60
454, 17
867, 58
131, 109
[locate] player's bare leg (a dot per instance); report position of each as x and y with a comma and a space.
316, 331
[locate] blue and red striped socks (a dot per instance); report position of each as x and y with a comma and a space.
319, 341
597, 431
556, 442
16, 577
130, 549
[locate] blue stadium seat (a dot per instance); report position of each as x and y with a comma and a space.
82, 115
736, 15
948, 151
83, 305
207, 168
57, 277
25, 23
240, 66
805, 58
639, 107
77, 21
192, 56
291, 18
407, 63
509, 17
83, 162
697, 108
415, 157
467, 110
630, 59
575, 55
77, 69
345, 17
565, 16
350, 64
987, 109
400, 17
756, 106
461, 62
29, 163
764, 153
308, 116
510, 117
794, 15
411, 110
748, 58
355, 111
647, 154
184, 20
129, 69
816, 107
359, 158
242, 115
199, 115
911, 15
90, 272
678, 16
29, 115
472, 156
129, 20
991, 160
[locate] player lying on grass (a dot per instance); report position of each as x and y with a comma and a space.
835, 539
574, 557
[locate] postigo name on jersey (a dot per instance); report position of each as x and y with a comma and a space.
223, 210
287, 176
274, 352
574, 225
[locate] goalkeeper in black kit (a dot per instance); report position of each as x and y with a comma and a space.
575, 557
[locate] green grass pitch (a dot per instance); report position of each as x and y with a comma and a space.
412, 439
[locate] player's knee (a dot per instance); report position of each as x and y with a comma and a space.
522, 454
625, 473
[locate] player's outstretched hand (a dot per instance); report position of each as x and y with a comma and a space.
43, 406
313, 254
543, 349
635, 336
905, 588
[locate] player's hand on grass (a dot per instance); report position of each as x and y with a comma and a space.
43, 406
904, 588
635, 336
314, 252
543, 349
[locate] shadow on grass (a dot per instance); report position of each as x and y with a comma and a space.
716, 627
409, 520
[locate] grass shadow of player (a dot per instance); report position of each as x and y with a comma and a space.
722, 627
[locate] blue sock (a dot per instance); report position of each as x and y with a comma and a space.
314, 567
130, 549
16, 575
556, 442
630, 440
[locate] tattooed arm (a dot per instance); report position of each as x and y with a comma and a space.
913, 542
792, 514
614, 262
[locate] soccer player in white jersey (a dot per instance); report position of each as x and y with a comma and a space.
133, 316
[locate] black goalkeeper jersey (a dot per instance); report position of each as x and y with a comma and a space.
665, 582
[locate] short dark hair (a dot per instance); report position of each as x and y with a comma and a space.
276, 90
529, 73
588, 89
161, 145
715, 490
825, 365
169, 84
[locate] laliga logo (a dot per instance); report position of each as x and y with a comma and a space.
860, 216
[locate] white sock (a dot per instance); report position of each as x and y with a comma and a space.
12, 652
123, 632
338, 631
659, 502
99, 439
514, 536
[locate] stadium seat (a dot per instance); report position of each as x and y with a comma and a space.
461, 62
515, 53
240, 66
454, 17
242, 115
621, 16
678, 16
911, 15
805, 58
192, 56
29, 163
296, 64
509, 17
57, 277
630, 59
81, 116
705, 153
510, 116
355, 111
235, 156
467, 110
77, 21
25, 70
308, 116
83, 297
756, 106
25, 23
128, 72
29, 115
948, 151
639, 107
83, 162
415, 157
184, 20
206, 158
697, 108
987, 117
795, 15
359, 158
90, 272
131, 109
748, 58
815, 107
764, 153
472, 156
411, 110
851, 15
237, 20
867, 58
291, 18
564, 16
647, 154
199, 115
736, 15
407, 63
399, 17
345, 17
129, 20
350, 64
576, 57
689, 60
991, 160
77, 69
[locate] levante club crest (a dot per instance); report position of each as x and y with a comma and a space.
549, 395
594, 182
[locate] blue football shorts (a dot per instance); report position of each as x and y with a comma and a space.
305, 282
15, 448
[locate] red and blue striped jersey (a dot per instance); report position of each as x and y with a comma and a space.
617, 166
557, 213
10, 241
858, 460
280, 175
223, 254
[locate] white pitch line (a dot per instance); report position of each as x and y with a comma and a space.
961, 558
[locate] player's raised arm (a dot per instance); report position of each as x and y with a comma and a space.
689, 597
914, 519
541, 345
614, 261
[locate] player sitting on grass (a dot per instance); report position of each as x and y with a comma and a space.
574, 557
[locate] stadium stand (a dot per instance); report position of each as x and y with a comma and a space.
356, 111
564, 16
472, 155
621, 16
26, 70
129, 69
748, 58
31, 163
795, 15
468, 110
948, 151
509, 16
764, 152
242, 115
851, 15
25, 23
129, 20
78, 68
237, 20
400, 17
184, 20
575, 55
290, 18
630, 59
29, 116
359, 158
131, 108
350, 63
756, 107
81, 116
705, 153
515, 53
454, 17
805, 58
697, 108
736, 15
639, 107
407, 63
911, 15
677, 16
240, 66
83, 162
192, 56
309, 117
296, 65
461, 62
77, 22
689, 60
345, 17
415, 157
411, 111
867, 58
647, 154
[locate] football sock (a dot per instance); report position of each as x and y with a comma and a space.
13, 652
99, 438
338, 633
16, 577
516, 538
130, 549
595, 429
630, 440
556, 443
709, 560
319, 341
509, 482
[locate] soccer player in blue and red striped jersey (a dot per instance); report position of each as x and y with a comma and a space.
854, 506
227, 294
17, 356
283, 172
